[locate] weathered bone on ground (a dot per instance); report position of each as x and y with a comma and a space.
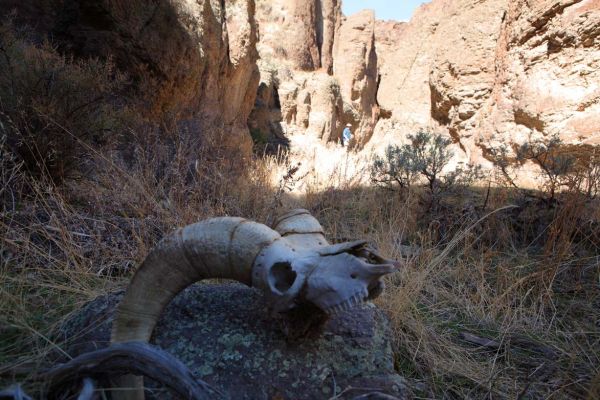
294, 265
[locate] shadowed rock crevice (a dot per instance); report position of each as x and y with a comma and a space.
187, 60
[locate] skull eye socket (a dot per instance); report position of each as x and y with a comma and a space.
282, 276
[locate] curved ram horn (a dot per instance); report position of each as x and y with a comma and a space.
293, 265
301, 228
216, 248
123, 358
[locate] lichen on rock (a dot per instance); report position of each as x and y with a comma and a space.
224, 334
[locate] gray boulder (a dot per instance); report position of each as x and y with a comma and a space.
225, 336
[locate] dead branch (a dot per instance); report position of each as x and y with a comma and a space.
122, 359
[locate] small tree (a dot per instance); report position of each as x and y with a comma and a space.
397, 168
426, 155
431, 155
555, 163
504, 164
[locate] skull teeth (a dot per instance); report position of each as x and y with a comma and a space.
348, 304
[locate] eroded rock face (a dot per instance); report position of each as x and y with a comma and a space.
193, 59
355, 67
300, 32
296, 50
323, 68
224, 335
548, 74
492, 72
440, 70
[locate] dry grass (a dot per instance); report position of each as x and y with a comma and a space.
62, 246
481, 313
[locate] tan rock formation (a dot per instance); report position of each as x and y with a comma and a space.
194, 59
355, 67
492, 72
322, 66
296, 49
439, 70
301, 32
548, 74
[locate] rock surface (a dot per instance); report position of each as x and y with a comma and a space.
492, 72
320, 66
484, 73
548, 74
355, 67
224, 335
440, 70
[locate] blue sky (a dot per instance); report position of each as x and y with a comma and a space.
400, 10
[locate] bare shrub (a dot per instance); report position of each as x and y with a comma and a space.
51, 104
563, 168
555, 163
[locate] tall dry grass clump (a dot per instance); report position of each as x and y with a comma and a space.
498, 295
87, 189
62, 246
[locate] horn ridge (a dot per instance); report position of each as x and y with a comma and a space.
222, 247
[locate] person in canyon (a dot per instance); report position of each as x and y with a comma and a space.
346, 135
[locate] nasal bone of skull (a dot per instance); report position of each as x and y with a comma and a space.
343, 280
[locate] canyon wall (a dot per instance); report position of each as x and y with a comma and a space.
547, 77
438, 69
318, 72
484, 73
355, 68
491, 72
188, 59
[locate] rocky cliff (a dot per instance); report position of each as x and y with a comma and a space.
492, 72
188, 59
547, 78
483, 72
318, 71
355, 68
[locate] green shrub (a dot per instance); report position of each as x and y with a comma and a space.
396, 168
54, 108
423, 160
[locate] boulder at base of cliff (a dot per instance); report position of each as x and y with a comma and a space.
224, 334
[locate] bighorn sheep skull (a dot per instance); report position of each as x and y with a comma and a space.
293, 264
303, 267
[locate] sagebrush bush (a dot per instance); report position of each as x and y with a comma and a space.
54, 108
555, 163
424, 159
563, 168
